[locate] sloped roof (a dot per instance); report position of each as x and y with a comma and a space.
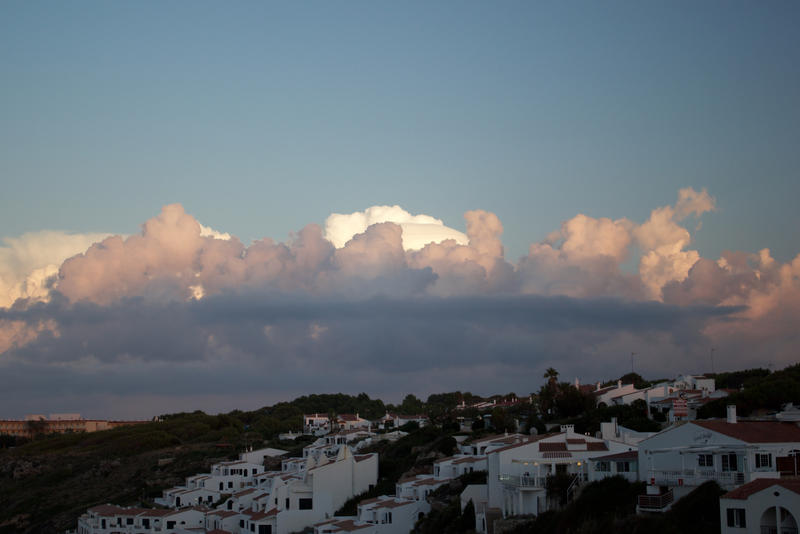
759, 484
754, 431
596, 446
545, 446
627, 455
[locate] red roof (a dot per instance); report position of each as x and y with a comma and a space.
755, 431
599, 446
627, 455
548, 446
558, 454
759, 484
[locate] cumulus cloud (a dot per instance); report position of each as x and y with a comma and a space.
357, 306
418, 230
29, 263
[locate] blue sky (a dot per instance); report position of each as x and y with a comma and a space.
262, 117
258, 118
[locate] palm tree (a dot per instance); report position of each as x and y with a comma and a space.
551, 375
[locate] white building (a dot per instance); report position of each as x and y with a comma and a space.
623, 464
518, 472
763, 506
729, 451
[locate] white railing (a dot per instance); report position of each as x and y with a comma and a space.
695, 477
523, 481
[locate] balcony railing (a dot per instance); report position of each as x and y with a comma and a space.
695, 477
656, 503
523, 481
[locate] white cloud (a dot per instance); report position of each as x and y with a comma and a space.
418, 230
28, 262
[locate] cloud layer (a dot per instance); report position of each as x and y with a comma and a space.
383, 301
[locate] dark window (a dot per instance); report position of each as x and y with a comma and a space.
705, 460
305, 504
729, 462
252, 527
103, 523
763, 460
736, 518
170, 524
264, 529
230, 505
287, 503
230, 484
241, 523
129, 521
623, 467
146, 523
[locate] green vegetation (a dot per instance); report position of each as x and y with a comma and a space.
763, 391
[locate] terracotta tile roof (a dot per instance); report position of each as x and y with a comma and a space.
155, 513
105, 509
528, 441
627, 455
552, 446
558, 454
759, 484
348, 525
258, 516
362, 457
754, 431
348, 417
469, 459
223, 513
369, 501
575, 441
218, 531
391, 503
244, 492
598, 446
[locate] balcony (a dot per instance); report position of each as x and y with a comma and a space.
524, 481
695, 477
655, 503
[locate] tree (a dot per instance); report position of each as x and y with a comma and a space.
411, 405
551, 375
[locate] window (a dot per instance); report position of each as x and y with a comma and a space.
252, 527
264, 529
763, 460
287, 503
146, 523
705, 460
736, 518
129, 521
623, 467
170, 524
602, 466
729, 462
230, 484
241, 523
305, 504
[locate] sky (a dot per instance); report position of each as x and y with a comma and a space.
389, 197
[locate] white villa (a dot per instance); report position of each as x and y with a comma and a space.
761, 506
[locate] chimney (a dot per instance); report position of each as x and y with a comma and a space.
619, 384
732, 414
577, 383
598, 387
